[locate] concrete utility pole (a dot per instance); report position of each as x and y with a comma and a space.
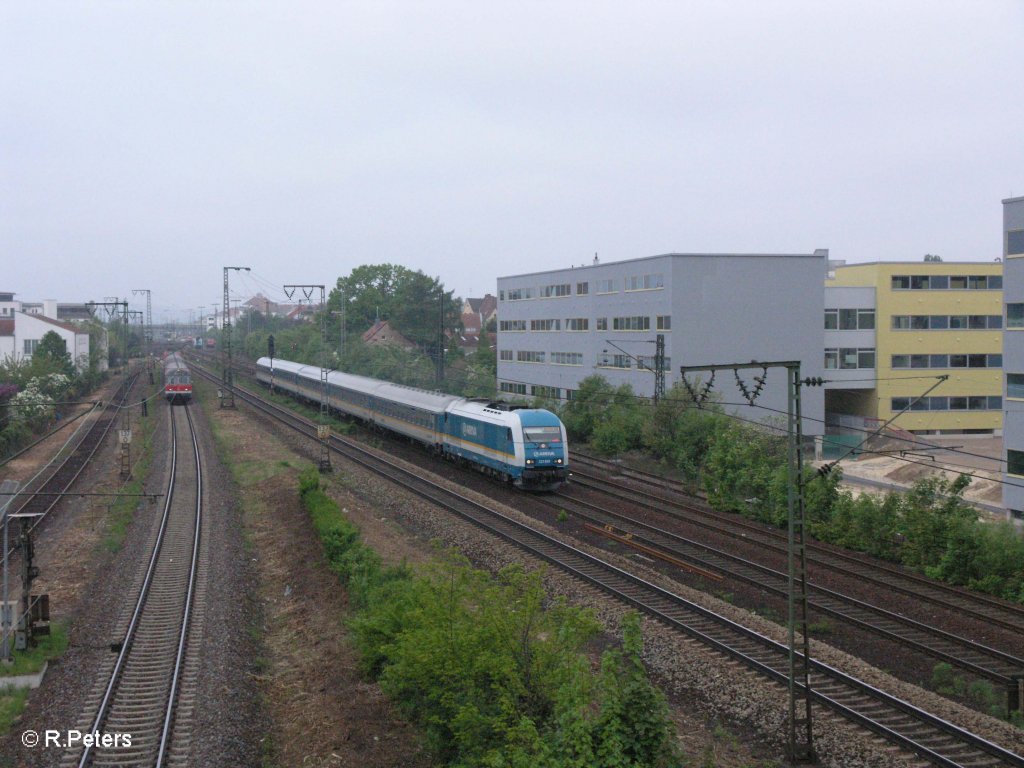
323, 430
800, 737
228, 398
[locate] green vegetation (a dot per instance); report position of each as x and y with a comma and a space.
491, 675
12, 704
31, 660
30, 387
122, 508
743, 468
980, 693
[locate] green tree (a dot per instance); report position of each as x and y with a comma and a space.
412, 301
52, 352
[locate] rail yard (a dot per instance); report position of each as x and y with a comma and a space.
711, 588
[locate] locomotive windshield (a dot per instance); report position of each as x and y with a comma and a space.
542, 434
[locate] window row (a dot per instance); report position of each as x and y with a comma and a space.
965, 403
947, 361
642, 362
947, 282
644, 282
605, 360
537, 390
634, 323
555, 291
849, 358
947, 322
611, 285
849, 319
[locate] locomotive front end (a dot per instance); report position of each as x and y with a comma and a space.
546, 452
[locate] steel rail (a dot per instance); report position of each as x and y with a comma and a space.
990, 663
1002, 613
675, 609
140, 603
186, 618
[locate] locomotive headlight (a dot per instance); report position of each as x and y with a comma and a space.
529, 461
558, 461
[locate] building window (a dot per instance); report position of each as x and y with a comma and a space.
539, 390
1015, 315
831, 359
957, 403
577, 324
955, 322
520, 294
582, 289
515, 389
947, 282
865, 358
644, 282
866, 319
635, 323
567, 358
1015, 385
847, 319
664, 322
1015, 242
831, 319
501, 295
1015, 462
30, 346
545, 325
554, 291
648, 362
511, 325
602, 323
525, 356
505, 354
606, 286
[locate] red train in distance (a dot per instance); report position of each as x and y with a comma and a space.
177, 380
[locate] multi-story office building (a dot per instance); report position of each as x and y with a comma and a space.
1013, 355
556, 328
891, 328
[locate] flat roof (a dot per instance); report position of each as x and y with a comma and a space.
818, 254
992, 263
1013, 200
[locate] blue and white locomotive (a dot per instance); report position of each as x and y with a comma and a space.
525, 446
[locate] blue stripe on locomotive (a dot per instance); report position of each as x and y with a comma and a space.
485, 440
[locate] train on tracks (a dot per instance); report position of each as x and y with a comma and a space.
526, 447
177, 379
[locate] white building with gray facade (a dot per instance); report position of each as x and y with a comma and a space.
1013, 356
556, 328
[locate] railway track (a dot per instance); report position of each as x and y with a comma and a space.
677, 501
938, 741
146, 691
1003, 669
46, 492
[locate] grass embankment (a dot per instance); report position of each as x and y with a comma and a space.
491, 675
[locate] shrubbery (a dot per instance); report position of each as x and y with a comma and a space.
743, 468
492, 675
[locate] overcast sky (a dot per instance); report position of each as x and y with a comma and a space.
147, 145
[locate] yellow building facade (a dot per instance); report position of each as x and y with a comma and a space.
931, 319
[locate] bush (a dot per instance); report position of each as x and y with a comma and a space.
491, 675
